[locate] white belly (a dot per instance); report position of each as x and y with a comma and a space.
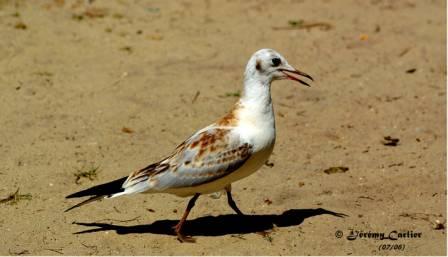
257, 127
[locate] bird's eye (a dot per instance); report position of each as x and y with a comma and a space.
276, 62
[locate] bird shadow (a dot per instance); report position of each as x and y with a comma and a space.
216, 225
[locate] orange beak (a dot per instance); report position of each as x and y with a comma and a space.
297, 72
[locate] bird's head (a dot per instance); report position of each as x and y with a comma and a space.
268, 65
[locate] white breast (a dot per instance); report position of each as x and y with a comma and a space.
254, 127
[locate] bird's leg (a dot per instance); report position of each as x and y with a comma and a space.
178, 227
230, 200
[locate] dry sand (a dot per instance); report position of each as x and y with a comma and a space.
73, 75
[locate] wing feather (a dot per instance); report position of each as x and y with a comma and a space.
206, 156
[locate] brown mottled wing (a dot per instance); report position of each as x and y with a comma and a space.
206, 156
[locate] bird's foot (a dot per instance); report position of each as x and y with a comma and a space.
184, 238
181, 237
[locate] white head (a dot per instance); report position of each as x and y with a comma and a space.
266, 65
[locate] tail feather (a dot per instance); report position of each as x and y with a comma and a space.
91, 199
98, 192
103, 189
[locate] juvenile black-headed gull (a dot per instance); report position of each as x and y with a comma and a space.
213, 158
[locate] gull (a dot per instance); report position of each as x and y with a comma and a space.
214, 157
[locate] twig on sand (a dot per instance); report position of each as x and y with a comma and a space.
90, 174
123, 221
301, 24
14, 198
93, 247
55, 250
196, 97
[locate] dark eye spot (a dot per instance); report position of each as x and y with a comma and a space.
258, 65
276, 62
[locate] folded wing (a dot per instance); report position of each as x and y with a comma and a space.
206, 156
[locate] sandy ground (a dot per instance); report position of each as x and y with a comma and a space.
118, 84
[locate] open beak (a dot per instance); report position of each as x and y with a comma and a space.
288, 73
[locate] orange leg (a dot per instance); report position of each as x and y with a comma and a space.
178, 227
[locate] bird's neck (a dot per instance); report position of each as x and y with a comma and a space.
256, 103
256, 114
257, 93
254, 109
